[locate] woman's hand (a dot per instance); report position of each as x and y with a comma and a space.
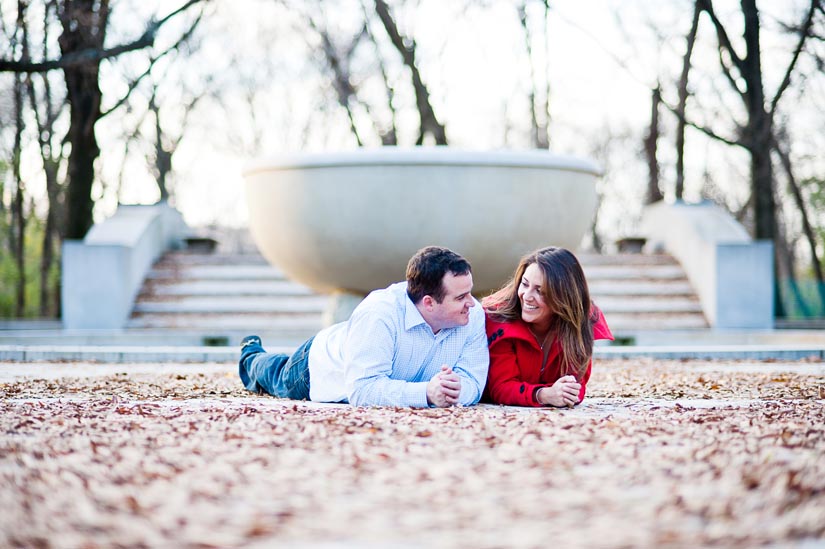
564, 392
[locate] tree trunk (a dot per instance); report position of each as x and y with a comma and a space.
545, 108
683, 95
84, 27
759, 138
84, 99
18, 224
759, 131
163, 158
17, 227
654, 193
50, 296
598, 245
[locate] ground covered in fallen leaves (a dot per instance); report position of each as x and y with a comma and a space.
662, 453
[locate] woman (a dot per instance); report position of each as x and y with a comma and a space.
540, 330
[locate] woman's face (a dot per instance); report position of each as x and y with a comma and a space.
530, 294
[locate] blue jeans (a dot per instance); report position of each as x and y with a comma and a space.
278, 374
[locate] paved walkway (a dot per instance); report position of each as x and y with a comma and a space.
229, 354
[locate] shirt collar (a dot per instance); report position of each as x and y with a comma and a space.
412, 316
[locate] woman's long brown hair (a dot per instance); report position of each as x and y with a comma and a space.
565, 293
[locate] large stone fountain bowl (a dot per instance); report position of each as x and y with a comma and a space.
350, 221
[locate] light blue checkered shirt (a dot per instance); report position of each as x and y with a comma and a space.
385, 354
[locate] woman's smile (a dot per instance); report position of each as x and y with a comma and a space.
531, 295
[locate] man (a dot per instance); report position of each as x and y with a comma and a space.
416, 343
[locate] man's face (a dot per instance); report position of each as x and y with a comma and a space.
454, 309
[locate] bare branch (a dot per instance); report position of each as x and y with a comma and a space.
174, 47
344, 89
729, 75
803, 34
93, 55
388, 137
785, 159
724, 43
429, 121
610, 52
707, 131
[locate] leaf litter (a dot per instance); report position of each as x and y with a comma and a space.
193, 460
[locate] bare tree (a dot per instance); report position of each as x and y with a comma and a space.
165, 144
46, 110
389, 134
338, 54
757, 135
429, 123
52, 157
82, 44
743, 72
338, 61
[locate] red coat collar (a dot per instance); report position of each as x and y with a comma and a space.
510, 330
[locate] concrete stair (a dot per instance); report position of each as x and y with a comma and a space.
640, 292
195, 307
224, 296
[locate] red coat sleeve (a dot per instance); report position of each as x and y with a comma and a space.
600, 328
503, 381
600, 331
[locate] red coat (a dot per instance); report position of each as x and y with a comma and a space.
515, 362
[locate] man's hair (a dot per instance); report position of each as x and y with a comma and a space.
427, 268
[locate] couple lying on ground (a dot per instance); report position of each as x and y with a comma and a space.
425, 342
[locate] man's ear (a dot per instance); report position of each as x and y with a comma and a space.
428, 302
